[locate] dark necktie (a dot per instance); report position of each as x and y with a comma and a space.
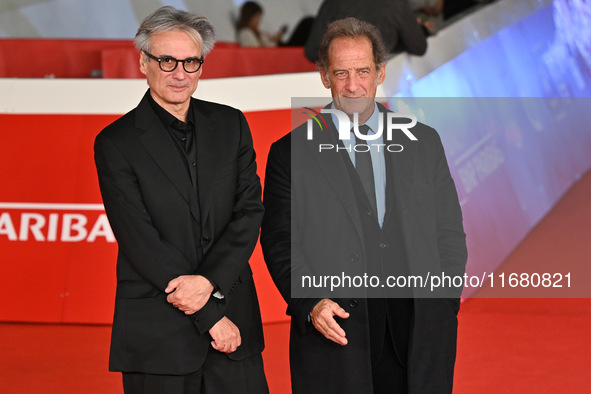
365, 168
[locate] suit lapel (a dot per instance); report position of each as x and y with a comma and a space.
161, 148
400, 168
208, 152
333, 166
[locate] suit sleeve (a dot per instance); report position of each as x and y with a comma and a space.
156, 260
410, 34
313, 41
451, 239
228, 256
276, 239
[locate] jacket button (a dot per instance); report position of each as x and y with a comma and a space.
354, 258
369, 212
353, 303
204, 240
383, 245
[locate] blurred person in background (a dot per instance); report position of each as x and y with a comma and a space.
394, 19
248, 31
428, 12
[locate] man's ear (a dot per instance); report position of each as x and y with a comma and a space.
381, 74
324, 77
143, 63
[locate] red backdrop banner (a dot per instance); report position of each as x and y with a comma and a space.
57, 251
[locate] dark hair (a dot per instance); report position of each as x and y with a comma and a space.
169, 18
351, 27
247, 12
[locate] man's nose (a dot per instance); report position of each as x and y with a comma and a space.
179, 72
352, 82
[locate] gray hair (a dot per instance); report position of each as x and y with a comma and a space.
353, 28
168, 18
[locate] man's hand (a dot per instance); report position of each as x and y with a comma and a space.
322, 316
226, 336
189, 293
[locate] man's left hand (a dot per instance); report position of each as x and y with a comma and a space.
225, 335
189, 293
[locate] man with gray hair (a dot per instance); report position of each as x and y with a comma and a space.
356, 212
179, 184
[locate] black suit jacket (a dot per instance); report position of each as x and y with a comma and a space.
166, 228
311, 193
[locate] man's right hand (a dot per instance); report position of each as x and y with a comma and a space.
189, 293
322, 316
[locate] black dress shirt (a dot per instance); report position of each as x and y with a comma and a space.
183, 134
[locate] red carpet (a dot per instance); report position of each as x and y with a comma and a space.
533, 345
505, 345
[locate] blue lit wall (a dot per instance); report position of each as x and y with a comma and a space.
514, 115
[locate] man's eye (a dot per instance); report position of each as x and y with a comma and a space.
168, 60
190, 61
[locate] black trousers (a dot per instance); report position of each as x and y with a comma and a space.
389, 371
218, 375
389, 375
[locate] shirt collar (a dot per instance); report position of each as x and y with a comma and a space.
373, 122
166, 117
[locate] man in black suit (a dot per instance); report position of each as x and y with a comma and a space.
324, 219
179, 185
393, 18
